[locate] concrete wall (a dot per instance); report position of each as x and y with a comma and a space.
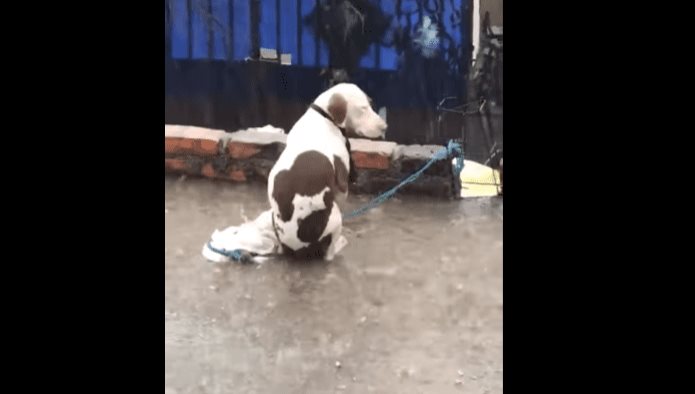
495, 9
480, 7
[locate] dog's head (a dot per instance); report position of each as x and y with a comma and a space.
351, 108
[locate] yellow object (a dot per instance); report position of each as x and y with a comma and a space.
478, 180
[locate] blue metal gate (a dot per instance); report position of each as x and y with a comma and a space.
214, 77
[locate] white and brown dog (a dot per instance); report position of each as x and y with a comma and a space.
311, 176
306, 184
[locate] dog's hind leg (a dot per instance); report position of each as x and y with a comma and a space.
335, 228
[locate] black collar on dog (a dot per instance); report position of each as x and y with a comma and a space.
352, 176
327, 116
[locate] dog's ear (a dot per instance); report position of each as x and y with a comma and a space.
337, 107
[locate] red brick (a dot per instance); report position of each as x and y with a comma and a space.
236, 175
176, 165
370, 160
241, 150
177, 145
208, 147
208, 171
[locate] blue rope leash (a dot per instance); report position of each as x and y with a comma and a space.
452, 149
236, 254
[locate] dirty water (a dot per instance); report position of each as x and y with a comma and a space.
412, 305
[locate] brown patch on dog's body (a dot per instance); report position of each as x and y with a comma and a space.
316, 250
311, 227
309, 175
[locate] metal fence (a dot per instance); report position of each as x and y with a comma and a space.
214, 78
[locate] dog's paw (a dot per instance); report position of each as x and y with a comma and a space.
340, 244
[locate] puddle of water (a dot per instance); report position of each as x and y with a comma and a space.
418, 288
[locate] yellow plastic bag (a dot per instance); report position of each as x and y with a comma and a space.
479, 180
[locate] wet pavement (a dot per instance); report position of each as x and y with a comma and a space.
413, 304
